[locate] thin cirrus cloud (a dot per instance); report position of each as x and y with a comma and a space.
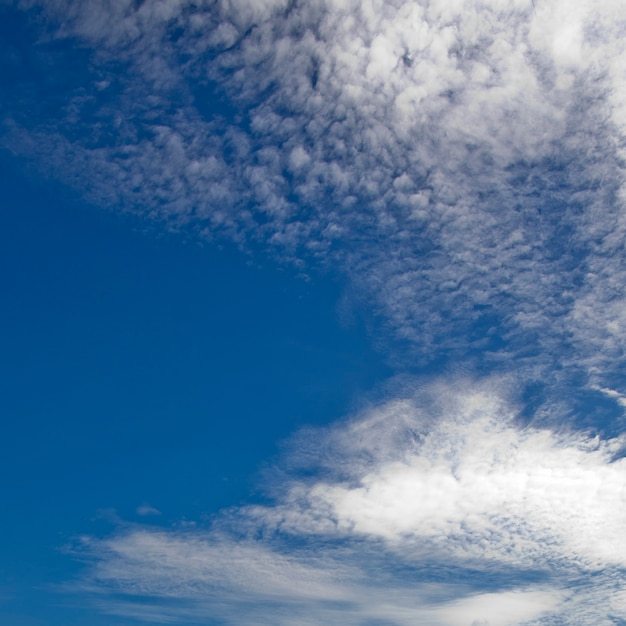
463, 164
440, 508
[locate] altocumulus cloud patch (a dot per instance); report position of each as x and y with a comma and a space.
462, 161
463, 164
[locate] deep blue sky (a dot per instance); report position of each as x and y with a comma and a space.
312, 313
142, 368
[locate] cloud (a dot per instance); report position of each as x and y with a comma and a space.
434, 508
474, 483
146, 509
611, 393
461, 162
499, 609
191, 577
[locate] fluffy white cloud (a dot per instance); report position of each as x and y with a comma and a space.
437, 508
474, 484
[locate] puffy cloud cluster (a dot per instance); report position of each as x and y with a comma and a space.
461, 161
473, 483
440, 508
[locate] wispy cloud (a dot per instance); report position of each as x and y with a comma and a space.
611, 393
438, 508
146, 509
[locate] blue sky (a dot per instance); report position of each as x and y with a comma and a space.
313, 313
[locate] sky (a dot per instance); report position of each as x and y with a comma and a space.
313, 312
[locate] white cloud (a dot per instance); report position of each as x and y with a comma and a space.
474, 485
502, 609
187, 577
436, 508
460, 161
611, 393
